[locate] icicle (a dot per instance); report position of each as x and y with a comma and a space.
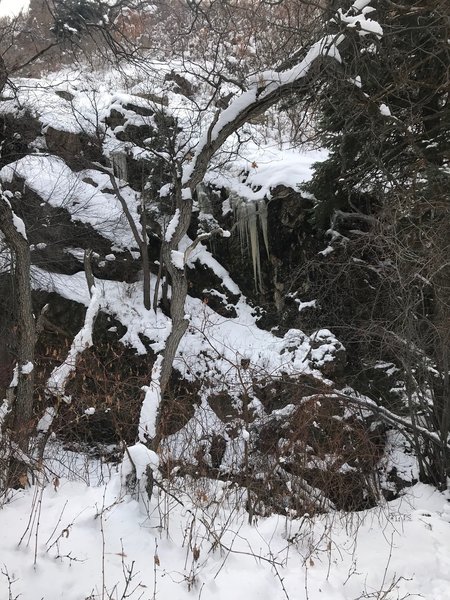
204, 202
249, 216
239, 219
262, 211
252, 227
119, 164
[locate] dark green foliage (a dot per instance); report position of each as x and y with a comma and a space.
382, 200
72, 17
405, 70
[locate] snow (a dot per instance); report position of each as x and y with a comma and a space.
39, 98
264, 85
303, 305
212, 344
328, 250
177, 259
56, 184
272, 80
165, 190
226, 116
27, 368
385, 111
88, 538
364, 25
4, 410
356, 81
20, 226
398, 455
58, 379
151, 403
195, 541
138, 458
171, 228
360, 4
267, 167
11, 8
46, 420
15, 377
327, 46
204, 257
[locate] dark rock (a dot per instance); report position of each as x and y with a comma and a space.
16, 136
78, 150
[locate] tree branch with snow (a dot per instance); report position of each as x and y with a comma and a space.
261, 92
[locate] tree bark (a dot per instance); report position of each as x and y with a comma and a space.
179, 289
140, 239
3, 74
22, 397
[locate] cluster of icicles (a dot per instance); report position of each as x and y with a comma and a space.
250, 217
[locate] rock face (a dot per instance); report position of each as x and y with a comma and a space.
251, 278
77, 150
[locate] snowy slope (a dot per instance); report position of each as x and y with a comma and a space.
79, 542
212, 344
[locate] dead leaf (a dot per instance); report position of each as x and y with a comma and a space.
196, 553
23, 480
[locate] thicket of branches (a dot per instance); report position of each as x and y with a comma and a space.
380, 103
383, 197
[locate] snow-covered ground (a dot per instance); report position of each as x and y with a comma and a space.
80, 542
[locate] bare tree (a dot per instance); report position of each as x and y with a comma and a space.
260, 93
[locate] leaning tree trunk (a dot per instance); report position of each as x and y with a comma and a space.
179, 290
13, 230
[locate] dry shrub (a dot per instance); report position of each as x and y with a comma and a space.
315, 454
109, 378
325, 445
178, 406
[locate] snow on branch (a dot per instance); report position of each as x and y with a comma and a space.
204, 236
16, 221
266, 88
180, 259
388, 416
171, 228
57, 381
150, 405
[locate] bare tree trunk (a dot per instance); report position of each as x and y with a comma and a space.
22, 407
140, 239
179, 289
3, 74
442, 408
145, 261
